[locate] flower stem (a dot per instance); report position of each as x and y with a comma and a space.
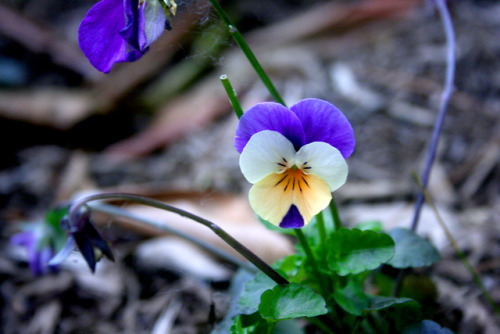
235, 244
445, 98
312, 259
231, 94
335, 215
320, 222
238, 38
118, 212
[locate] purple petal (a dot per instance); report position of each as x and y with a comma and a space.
63, 253
99, 39
293, 219
269, 116
39, 260
322, 121
154, 18
25, 238
133, 32
145, 23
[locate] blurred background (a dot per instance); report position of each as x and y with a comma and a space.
163, 127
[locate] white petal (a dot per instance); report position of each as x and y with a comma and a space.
325, 161
266, 152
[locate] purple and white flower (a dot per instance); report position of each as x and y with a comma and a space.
294, 158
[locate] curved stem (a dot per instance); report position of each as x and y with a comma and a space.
245, 252
445, 98
118, 212
238, 38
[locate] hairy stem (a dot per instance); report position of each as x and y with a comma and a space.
235, 244
118, 212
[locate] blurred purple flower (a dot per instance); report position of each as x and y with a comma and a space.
120, 30
39, 250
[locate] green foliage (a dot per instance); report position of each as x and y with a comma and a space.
354, 251
412, 251
351, 298
372, 225
335, 284
250, 298
291, 301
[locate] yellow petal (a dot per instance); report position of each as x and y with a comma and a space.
312, 197
269, 201
272, 197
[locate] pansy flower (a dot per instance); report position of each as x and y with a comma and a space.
294, 158
122, 30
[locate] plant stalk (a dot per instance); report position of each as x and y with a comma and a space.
231, 94
335, 215
235, 244
238, 38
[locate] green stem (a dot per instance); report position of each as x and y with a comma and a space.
118, 212
231, 94
312, 259
320, 222
235, 244
238, 38
335, 215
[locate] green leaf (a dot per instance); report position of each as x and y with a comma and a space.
351, 298
291, 301
354, 251
412, 251
54, 216
376, 303
426, 327
250, 297
261, 326
400, 315
372, 225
